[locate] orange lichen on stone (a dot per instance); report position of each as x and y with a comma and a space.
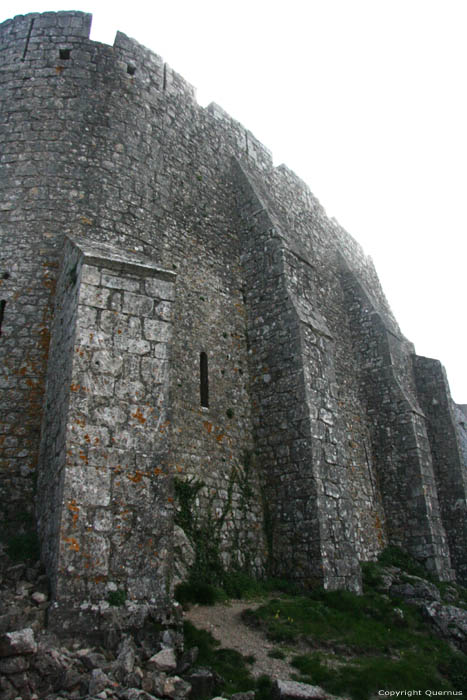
136, 477
139, 416
72, 543
75, 510
379, 530
208, 426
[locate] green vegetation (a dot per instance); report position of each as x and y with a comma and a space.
229, 664
23, 546
20, 538
277, 654
209, 581
365, 642
357, 644
116, 598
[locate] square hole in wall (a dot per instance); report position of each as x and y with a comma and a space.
131, 70
64, 54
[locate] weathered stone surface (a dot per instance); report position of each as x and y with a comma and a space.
19, 642
292, 690
415, 590
14, 664
126, 655
203, 681
187, 660
449, 621
39, 598
176, 688
136, 694
98, 681
184, 555
164, 660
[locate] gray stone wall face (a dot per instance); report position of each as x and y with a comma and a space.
460, 412
399, 436
36, 143
106, 508
448, 458
311, 520
108, 145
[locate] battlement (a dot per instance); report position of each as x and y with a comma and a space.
177, 309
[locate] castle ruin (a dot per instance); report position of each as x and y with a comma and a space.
173, 306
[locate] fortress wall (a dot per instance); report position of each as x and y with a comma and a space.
108, 144
460, 412
39, 160
280, 416
298, 435
399, 438
449, 467
130, 159
52, 457
342, 444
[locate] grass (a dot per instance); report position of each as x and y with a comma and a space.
362, 677
367, 643
357, 645
228, 663
235, 584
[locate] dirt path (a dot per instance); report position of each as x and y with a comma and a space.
223, 621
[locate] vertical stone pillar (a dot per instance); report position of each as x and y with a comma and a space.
448, 462
105, 505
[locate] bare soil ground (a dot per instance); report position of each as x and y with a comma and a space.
224, 622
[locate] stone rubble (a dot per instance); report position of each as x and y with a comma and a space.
448, 621
36, 665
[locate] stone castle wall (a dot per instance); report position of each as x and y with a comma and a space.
315, 449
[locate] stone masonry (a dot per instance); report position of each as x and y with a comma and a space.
174, 307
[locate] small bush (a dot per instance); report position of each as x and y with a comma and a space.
276, 654
394, 556
23, 546
116, 598
198, 592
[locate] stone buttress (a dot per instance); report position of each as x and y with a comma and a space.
105, 514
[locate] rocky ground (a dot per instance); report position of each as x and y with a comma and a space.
36, 666
224, 622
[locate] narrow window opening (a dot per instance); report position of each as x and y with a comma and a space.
204, 380
27, 40
2, 312
131, 70
65, 54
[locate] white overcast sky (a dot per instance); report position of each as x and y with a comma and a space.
366, 100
